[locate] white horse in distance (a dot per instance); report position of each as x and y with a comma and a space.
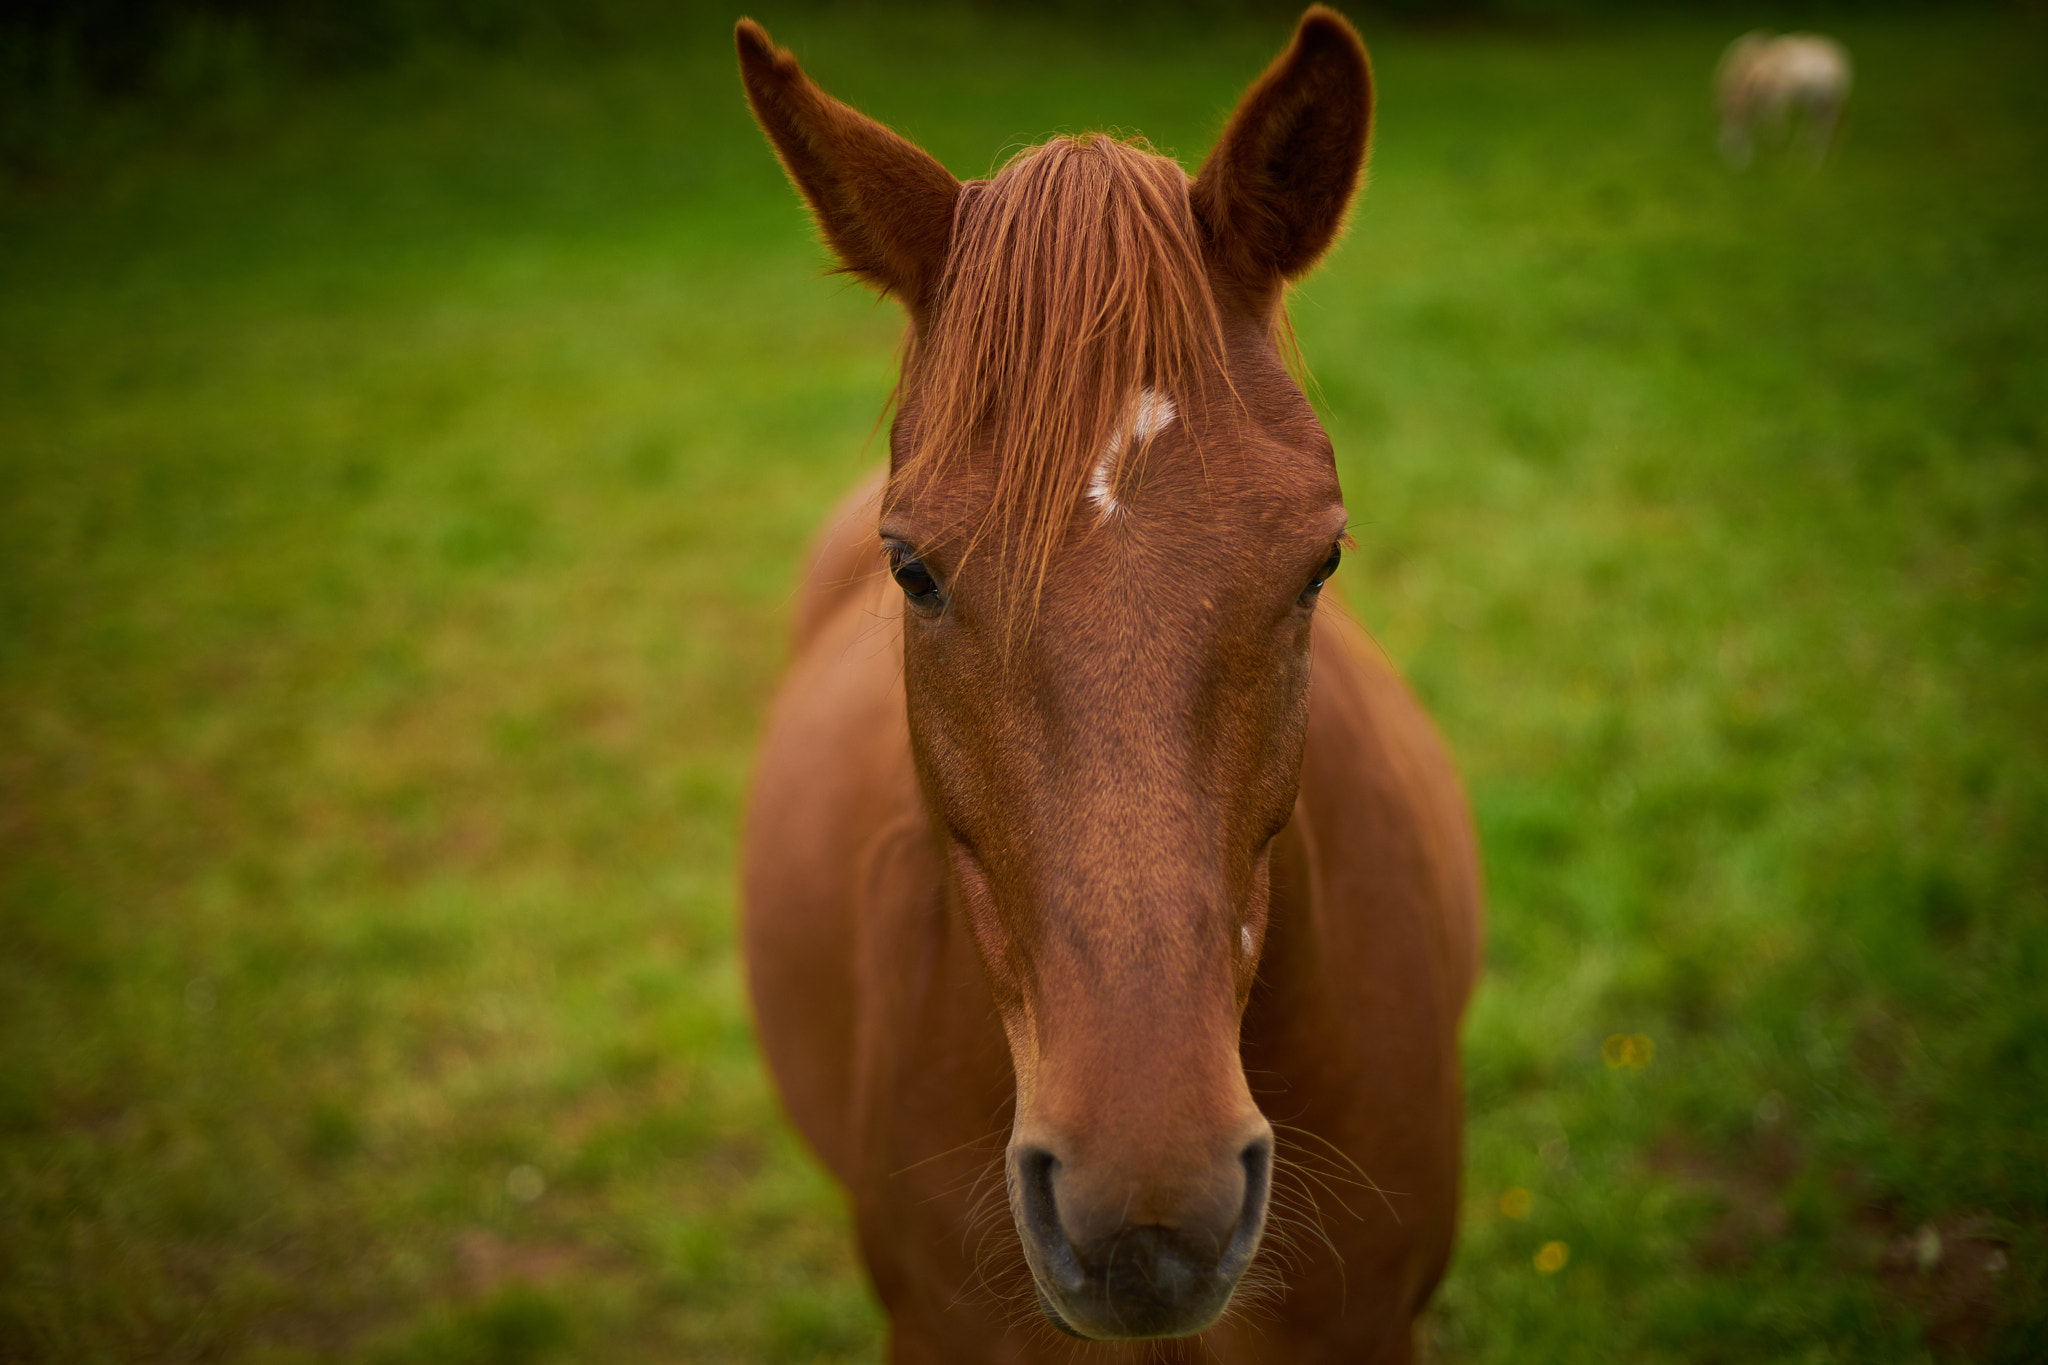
1765, 79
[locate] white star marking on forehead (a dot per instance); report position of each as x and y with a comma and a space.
1150, 415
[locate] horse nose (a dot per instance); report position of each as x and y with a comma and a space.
1116, 1258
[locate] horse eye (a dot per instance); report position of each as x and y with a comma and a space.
1323, 574
912, 576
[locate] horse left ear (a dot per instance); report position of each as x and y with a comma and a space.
884, 204
1272, 195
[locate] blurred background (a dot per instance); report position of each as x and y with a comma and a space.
411, 418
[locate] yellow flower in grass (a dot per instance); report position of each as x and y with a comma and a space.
1632, 1050
1552, 1257
1517, 1202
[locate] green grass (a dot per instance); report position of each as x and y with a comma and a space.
401, 484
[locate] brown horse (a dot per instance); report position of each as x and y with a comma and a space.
1111, 906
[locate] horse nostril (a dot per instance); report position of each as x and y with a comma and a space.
1041, 1213
1257, 1160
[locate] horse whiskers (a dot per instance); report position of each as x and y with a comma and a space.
970, 1182
1207, 1348
1257, 1297
1297, 1186
1282, 1217
1329, 1150
985, 1224
1297, 1162
1280, 1246
989, 1197
991, 1250
1271, 1276
1263, 1286
1003, 1276
940, 1156
1305, 1175
982, 1225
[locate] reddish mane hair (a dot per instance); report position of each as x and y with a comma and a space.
1074, 281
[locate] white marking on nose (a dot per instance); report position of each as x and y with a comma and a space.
1151, 414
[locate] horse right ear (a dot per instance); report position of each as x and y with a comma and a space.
884, 204
1272, 196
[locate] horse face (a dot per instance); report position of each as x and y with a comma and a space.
1106, 788
1108, 690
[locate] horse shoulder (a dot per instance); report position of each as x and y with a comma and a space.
1392, 826
833, 784
930, 1115
843, 558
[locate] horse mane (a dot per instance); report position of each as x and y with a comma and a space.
1074, 281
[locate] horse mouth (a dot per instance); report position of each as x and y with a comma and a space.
1151, 1285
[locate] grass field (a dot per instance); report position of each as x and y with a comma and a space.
401, 485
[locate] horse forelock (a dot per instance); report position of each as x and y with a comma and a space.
1073, 286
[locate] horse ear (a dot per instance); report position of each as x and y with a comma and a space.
884, 204
1272, 195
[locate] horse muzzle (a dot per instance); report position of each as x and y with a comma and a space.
1115, 1257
